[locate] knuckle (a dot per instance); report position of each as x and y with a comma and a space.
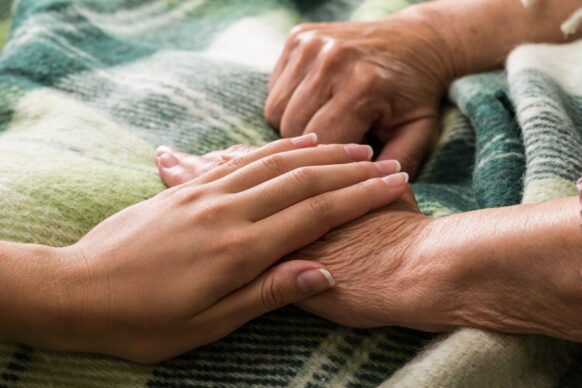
236, 163
238, 245
366, 169
321, 206
366, 78
272, 164
336, 152
300, 29
330, 148
332, 54
304, 176
335, 49
271, 296
213, 212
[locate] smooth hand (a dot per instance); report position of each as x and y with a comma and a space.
194, 263
341, 80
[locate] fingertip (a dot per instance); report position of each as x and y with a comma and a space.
315, 281
167, 161
305, 141
358, 152
328, 276
398, 166
388, 167
397, 180
165, 149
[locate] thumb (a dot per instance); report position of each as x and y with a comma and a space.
284, 284
287, 283
410, 143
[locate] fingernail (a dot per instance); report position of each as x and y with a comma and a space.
315, 281
388, 167
359, 153
309, 140
397, 180
168, 160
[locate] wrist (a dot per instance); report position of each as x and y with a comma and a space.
32, 297
442, 52
516, 269
76, 315
471, 29
447, 37
440, 245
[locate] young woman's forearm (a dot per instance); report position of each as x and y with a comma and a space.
520, 265
29, 296
481, 33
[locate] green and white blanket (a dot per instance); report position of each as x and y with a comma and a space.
88, 89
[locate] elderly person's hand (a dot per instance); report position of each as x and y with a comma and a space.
383, 276
194, 263
516, 269
341, 80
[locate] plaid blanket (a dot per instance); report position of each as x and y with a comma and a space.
88, 89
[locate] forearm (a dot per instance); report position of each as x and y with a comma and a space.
519, 268
29, 300
479, 34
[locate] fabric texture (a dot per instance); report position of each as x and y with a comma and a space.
88, 89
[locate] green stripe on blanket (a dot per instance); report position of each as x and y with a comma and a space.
4, 21
88, 89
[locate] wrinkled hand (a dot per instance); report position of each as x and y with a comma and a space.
341, 80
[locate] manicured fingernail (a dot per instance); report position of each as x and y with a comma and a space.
397, 180
388, 167
309, 140
168, 160
359, 153
315, 281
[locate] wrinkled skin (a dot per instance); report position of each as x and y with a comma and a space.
382, 279
342, 80
383, 275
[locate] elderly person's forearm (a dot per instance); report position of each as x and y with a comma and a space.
481, 33
518, 268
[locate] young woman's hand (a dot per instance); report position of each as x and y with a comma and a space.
187, 267
341, 80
